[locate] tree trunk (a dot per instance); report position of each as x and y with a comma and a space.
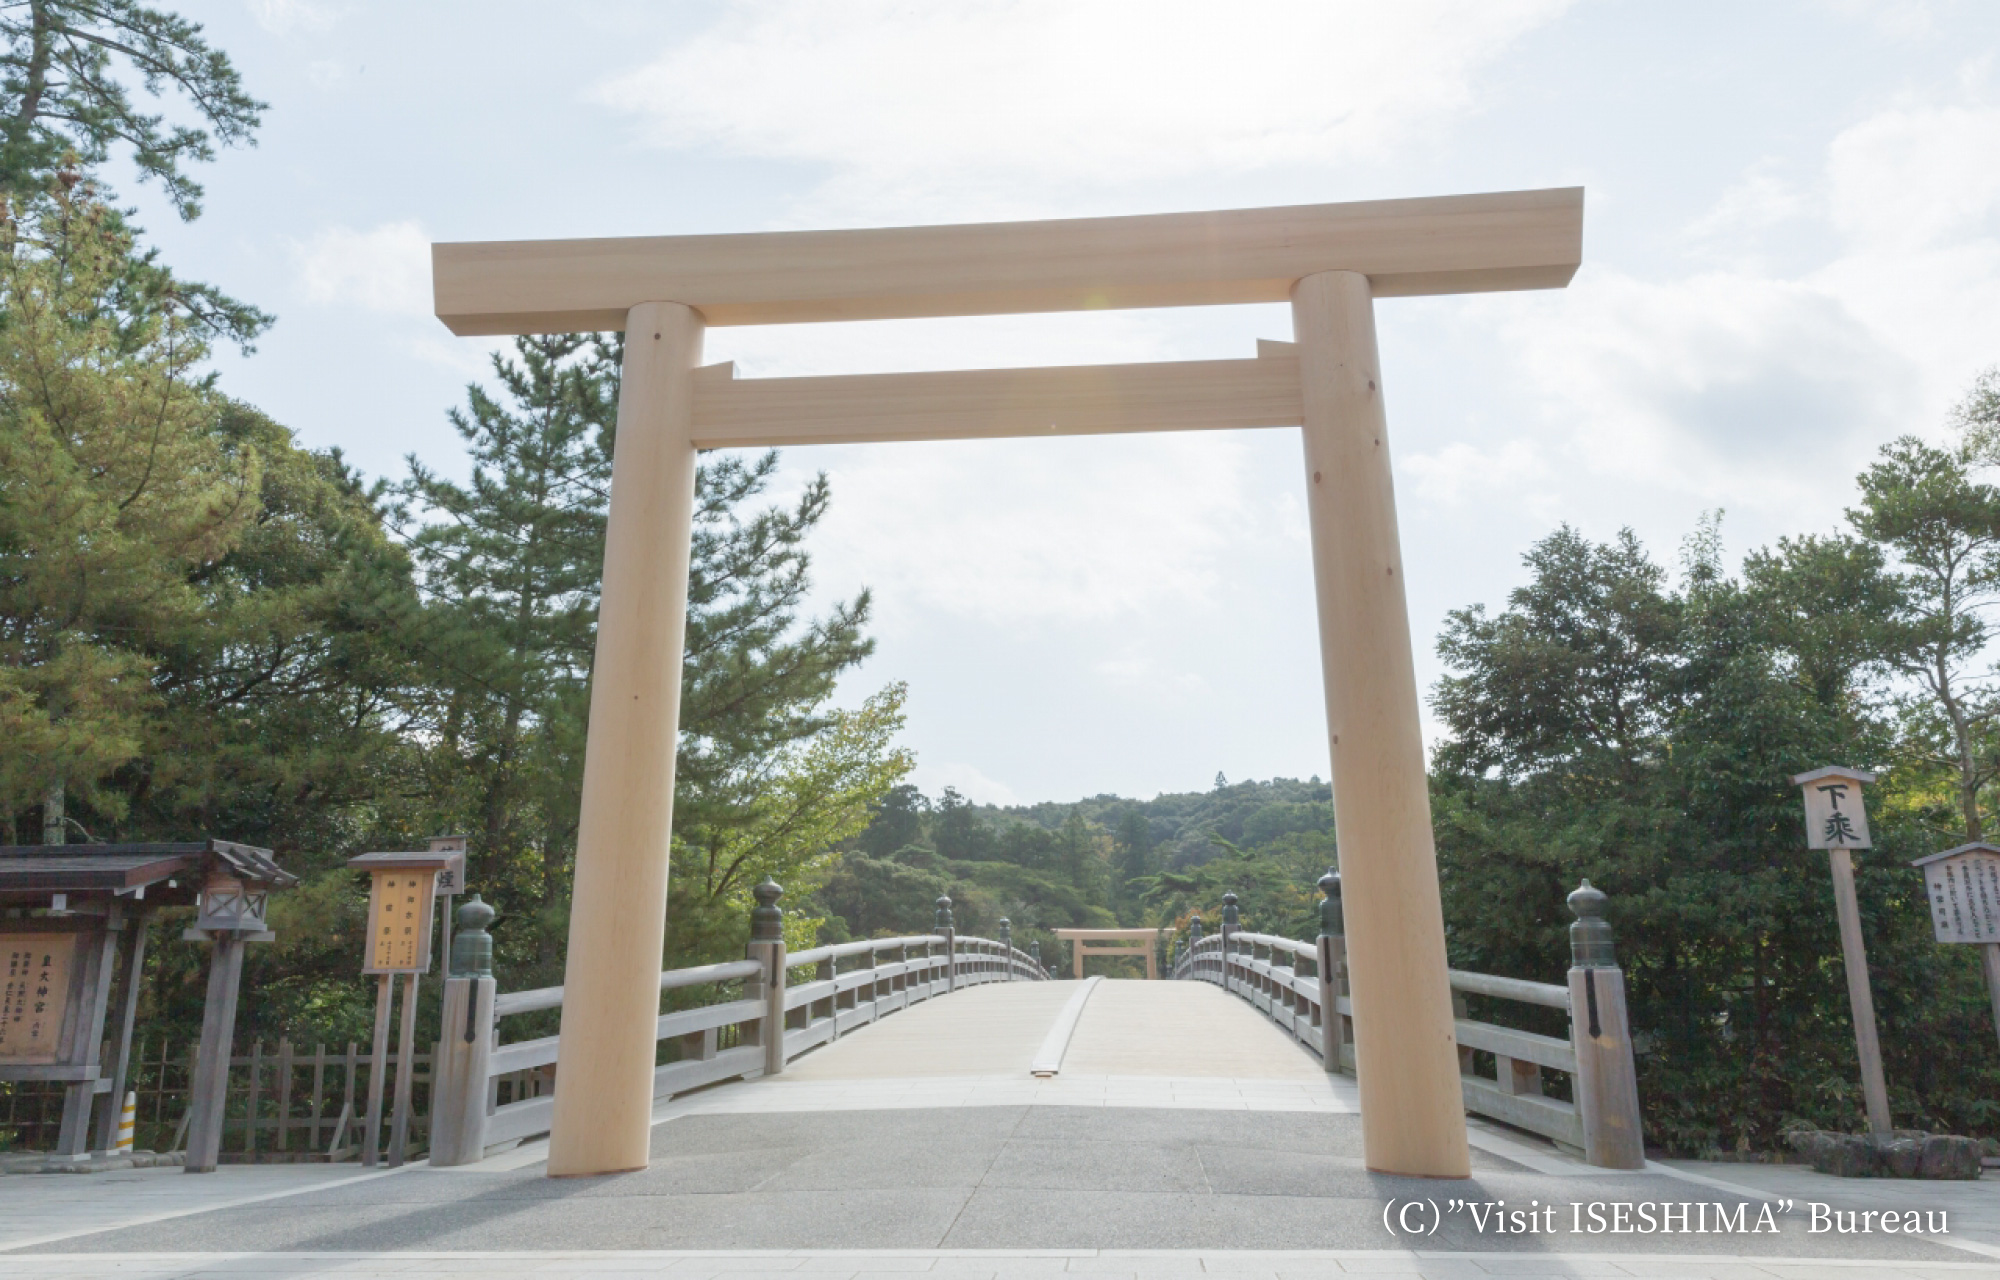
1968, 779
54, 829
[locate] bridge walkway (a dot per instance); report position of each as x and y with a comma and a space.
1183, 1134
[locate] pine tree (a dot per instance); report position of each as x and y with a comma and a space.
66, 109
114, 489
511, 564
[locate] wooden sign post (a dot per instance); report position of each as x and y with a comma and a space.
1963, 886
402, 891
1837, 823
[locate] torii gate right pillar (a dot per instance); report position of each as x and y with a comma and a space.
1406, 1052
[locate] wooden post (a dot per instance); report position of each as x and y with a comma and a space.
319, 1094
378, 1068
458, 1076
1412, 1111
251, 1096
618, 909
948, 930
285, 1068
1607, 1089
1990, 952
406, 1073
767, 946
1232, 921
90, 993
1867, 1041
211, 1070
1606, 1080
127, 1002
1332, 958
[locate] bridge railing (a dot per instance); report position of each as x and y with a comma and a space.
1303, 987
766, 1010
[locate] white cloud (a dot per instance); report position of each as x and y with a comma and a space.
1762, 200
1735, 388
1024, 532
385, 269
1138, 672
971, 783
1761, 389
1460, 471
1916, 177
290, 17
905, 102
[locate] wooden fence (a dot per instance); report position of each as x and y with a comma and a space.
284, 1103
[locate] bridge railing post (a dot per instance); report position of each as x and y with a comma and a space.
1195, 962
1231, 922
1607, 1088
458, 1080
767, 946
944, 926
1332, 963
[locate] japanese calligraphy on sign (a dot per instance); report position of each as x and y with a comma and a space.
450, 876
399, 920
1963, 886
1835, 818
34, 992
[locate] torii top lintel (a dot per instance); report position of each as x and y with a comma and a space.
1431, 245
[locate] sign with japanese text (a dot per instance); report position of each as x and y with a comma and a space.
1835, 818
34, 992
399, 920
451, 876
1963, 887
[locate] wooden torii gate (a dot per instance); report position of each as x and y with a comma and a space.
1330, 261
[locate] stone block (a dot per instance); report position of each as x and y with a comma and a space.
1949, 1157
1905, 1153
1900, 1155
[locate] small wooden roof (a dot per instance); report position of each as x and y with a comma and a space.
1833, 771
416, 860
37, 870
1977, 846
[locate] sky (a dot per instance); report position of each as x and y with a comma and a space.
1791, 255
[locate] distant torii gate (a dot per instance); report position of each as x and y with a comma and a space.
1331, 262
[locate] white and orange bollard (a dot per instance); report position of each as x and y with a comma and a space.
128, 1120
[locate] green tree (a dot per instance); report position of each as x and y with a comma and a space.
64, 99
813, 793
511, 564
115, 488
1920, 503
1609, 725
68, 69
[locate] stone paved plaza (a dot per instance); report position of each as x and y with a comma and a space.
1223, 1157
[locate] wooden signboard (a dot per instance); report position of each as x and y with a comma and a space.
35, 973
1835, 818
399, 920
1963, 886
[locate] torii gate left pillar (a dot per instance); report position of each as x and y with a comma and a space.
1330, 261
